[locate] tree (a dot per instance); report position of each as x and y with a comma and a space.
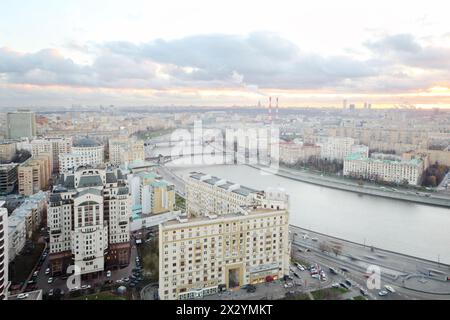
337, 249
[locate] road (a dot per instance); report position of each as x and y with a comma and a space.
396, 270
58, 283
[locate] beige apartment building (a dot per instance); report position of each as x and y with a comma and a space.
7, 151
124, 150
34, 175
246, 244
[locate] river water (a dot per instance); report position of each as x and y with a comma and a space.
409, 228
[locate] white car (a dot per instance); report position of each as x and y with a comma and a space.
383, 293
390, 289
47, 271
108, 274
23, 296
335, 285
50, 280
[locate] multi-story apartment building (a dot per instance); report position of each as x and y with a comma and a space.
383, 167
8, 178
21, 124
34, 175
59, 146
150, 193
4, 260
33, 212
125, 150
85, 152
89, 220
291, 152
17, 236
207, 194
336, 148
201, 255
42, 147
7, 151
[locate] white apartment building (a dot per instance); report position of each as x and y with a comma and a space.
4, 260
85, 152
201, 255
59, 146
126, 150
207, 194
17, 236
336, 148
383, 167
89, 220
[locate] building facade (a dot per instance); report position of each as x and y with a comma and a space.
207, 194
336, 148
89, 220
231, 236
126, 150
201, 255
382, 167
8, 178
4, 260
7, 151
34, 175
291, 152
21, 124
84, 152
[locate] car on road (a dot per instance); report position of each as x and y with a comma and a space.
288, 285
251, 288
344, 269
108, 274
315, 276
335, 285
390, 289
126, 279
36, 273
314, 239
47, 271
50, 280
348, 283
74, 289
50, 293
383, 293
85, 287
333, 271
288, 278
343, 285
23, 296
363, 292
296, 275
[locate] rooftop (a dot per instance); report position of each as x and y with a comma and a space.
86, 143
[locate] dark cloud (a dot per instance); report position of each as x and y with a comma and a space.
259, 60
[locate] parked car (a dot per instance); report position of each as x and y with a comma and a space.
335, 285
363, 292
108, 274
251, 288
383, 293
23, 296
50, 280
47, 271
390, 289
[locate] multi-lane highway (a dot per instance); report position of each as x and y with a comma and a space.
410, 277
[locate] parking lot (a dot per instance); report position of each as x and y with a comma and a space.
42, 279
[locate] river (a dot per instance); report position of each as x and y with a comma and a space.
409, 228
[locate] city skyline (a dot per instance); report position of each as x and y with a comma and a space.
238, 54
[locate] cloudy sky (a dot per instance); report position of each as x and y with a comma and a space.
307, 53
